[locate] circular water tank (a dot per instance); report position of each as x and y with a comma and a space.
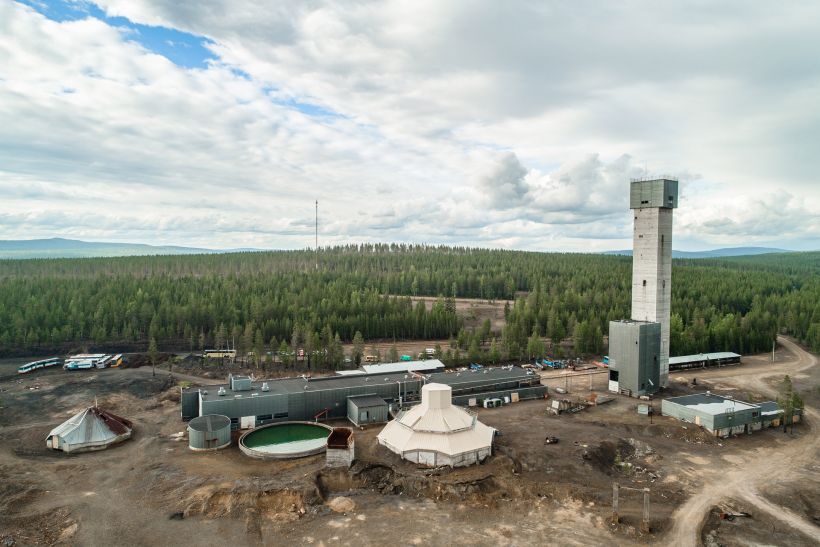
285, 440
209, 432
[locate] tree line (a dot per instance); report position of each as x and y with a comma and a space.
269, 301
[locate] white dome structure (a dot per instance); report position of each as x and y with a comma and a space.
436, 433
89, 429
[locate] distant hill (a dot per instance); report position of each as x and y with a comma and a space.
714, 253
58, 247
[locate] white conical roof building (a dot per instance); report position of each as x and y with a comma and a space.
89, 429
437, 433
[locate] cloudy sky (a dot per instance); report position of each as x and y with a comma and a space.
513, 124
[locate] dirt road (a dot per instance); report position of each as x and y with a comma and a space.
742, 480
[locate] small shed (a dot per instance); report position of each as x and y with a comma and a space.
209, 432
340, 448
366, 409
89, 429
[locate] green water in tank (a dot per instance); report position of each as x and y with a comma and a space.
285, 438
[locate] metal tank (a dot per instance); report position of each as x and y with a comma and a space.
209, 432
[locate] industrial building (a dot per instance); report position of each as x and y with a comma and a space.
89, 429
249, 404
701, 360
653, 202
634, 357
436, 433
722, 416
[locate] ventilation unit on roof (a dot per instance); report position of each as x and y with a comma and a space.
221, 391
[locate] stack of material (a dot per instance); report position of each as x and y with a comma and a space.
90, 429
437, 433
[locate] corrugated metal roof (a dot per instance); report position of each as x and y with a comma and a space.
436, 425
770, 408
709, 403
91, 425
209, 422
403, 366
363, 401
681, 359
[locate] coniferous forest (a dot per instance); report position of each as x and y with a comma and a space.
272, 301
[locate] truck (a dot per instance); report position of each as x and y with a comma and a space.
475, 366
405, 358
606, 359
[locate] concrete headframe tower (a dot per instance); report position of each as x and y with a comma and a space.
653, 201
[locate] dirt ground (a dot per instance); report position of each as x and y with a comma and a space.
152, 490
472, 310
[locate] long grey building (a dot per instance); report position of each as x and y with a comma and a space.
700, 360
634, 357
722, 416
249, 404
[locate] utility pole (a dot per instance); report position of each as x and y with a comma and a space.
645, 521
615, 517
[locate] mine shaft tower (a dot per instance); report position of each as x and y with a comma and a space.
653, 201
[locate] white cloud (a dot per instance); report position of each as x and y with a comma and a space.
466, 122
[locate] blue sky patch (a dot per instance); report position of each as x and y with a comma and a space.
181, 48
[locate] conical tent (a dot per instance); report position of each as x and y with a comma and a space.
437, 433
89, 429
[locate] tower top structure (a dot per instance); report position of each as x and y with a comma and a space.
653, 193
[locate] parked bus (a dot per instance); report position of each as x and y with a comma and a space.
36, 365
84, 361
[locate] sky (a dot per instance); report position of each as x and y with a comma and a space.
514, 124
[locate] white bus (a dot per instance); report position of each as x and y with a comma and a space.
36, 365
84, 361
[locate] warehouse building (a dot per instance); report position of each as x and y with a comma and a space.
250, 404
701, 360
722, 416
